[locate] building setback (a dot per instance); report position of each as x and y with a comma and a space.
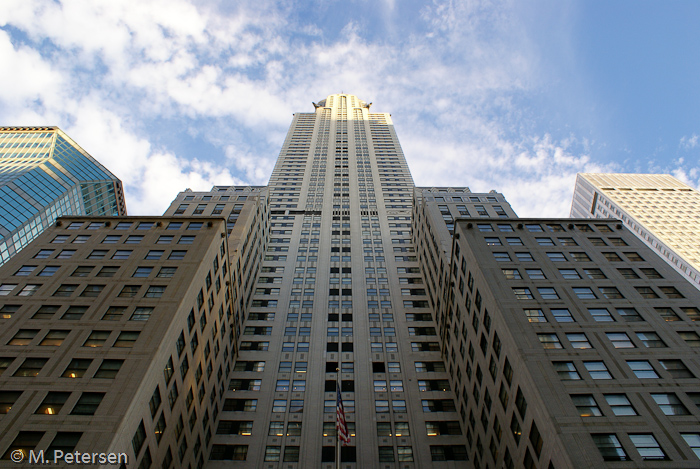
659, 209
43, 175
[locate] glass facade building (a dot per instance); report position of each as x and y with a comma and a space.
43, 175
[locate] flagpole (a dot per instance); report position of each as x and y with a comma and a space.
337, 430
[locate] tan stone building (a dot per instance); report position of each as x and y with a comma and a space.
659, 209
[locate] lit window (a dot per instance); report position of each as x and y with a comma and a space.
522, 293
535, 315
586, 405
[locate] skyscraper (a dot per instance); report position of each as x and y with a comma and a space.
661, 210
43, 175
339, 288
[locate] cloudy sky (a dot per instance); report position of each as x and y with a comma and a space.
516, 96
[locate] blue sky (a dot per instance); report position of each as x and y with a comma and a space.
506, 95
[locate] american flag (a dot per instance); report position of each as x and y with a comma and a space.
341, 427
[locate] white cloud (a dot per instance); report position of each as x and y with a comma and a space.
111, 72
688, 143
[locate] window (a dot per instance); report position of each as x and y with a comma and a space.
566, 370
600, 315
548, 293
545, 241
634, 257
620, 405
514, 241
569, 274
584, 293
628, 273
586, 405
108, 369
651, 273
107, 271
44, 311
154, 254
66, 254
141, 272
122, 254
76, 368
493, 241
595, 273
141, 313
691, 338
693, 440
676, 368
186, 240
612, 257
611, 293
129, 291
126, 339
511, 274
629, 315
562, 315
25, 270
28, 290
92, 291
535, 274
23, 337
646, 292
501, 256
524, 256
6, 288
648, 447
549, 341
535, 315
642, 369
167, 239
692, 312
166, 272
667, 314
177, 255
670, 404
87, 403
567, 242
651, 339
556, 256
65, 290
154, 291
609, 447
53, 403
579, 341
97, 339
580, 257
597, 370
522, 293
670, 292
620, 340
